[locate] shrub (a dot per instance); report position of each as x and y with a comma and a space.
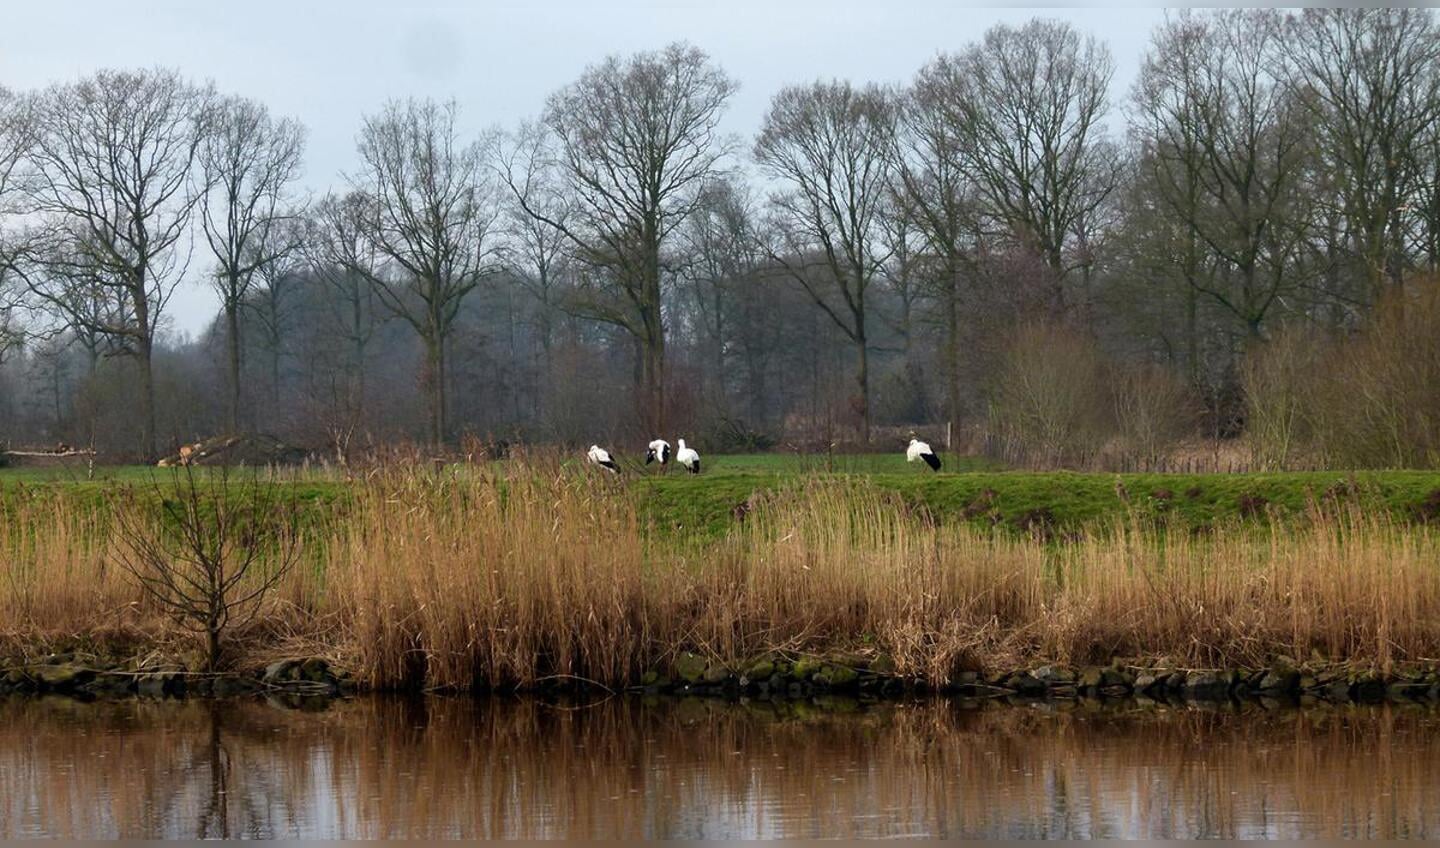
1276, 378
1153, 410
1371, 400
1049, 401
731, 435
1378, 394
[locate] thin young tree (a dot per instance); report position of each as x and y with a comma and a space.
431, 226
110, 190
832, 146
633, 141
249, 161
214, 553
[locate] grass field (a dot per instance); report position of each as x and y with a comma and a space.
972, 490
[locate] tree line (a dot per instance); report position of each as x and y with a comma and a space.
1006, 242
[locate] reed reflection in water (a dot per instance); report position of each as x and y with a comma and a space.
626, 768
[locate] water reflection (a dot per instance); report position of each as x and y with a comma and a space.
690, 769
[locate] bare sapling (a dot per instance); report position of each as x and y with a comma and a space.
212, 554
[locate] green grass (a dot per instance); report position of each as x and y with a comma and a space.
1059, 501
969, 489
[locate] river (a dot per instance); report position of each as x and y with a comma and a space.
627, 767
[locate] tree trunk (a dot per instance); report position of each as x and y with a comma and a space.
212, 646
653, 376
148, 444
273, 339
357, 398
952, 347
654, 323
435, 366
145, 341
862, 378
274, 375
232, 327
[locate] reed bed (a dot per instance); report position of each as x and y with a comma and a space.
532, 572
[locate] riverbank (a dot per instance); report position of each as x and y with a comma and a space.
546, 574
971, 491
769, 678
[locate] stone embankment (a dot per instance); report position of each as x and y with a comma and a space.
88, 677
805, 676
769, 677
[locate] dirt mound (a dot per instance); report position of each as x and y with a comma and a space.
250, 449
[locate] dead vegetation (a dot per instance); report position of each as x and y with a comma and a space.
513, 577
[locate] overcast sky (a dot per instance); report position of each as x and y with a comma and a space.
327, 63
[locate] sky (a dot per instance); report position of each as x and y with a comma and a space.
328, 63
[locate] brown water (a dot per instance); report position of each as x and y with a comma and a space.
378, 767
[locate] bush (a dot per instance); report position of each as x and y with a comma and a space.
1154, 410
1276, 379
1371, 400
730, 435
1378, 394
1050, 400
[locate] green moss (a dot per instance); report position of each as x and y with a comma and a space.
690, 667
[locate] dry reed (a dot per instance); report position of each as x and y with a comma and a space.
538, 572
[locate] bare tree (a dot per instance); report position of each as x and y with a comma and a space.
344, 258
248, 161
1225, 145
938, 195
537, 252
723, 253
831, 146
270, 291
218, 549
1371, 78
1030, 110
111, 187
14, 144
433, 211
634, 141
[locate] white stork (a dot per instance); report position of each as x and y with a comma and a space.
687, 457
600, 456
920, 450
659, 450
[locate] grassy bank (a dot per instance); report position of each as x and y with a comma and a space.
529, 571
970, 491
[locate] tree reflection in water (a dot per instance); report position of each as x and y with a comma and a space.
628, 768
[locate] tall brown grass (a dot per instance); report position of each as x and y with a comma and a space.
536, 571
